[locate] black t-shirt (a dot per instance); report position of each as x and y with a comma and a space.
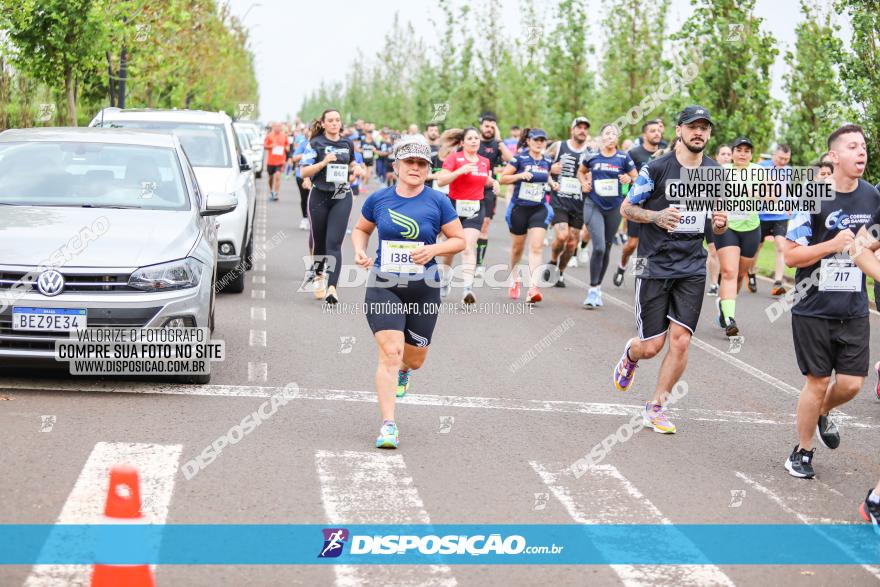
369, 150
321, 145
669, 254
435, 163
847, 211
491, 150
640, 155
570, 159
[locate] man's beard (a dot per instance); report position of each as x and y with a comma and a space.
488, 137
692, 148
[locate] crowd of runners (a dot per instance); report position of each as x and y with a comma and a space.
431, 195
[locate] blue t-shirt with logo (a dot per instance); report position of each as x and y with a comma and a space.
419, 218
607, 192
848, 211
540, 170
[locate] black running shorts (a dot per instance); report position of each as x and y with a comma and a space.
632, 229
475, 220
773, 228
522, 218
747, 241
574, 220
823, 345
410, 307
659, 301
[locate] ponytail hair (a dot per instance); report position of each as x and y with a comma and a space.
317, 127
452, 139
523, 139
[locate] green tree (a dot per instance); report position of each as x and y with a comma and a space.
860, 70
812, 86
635, 37
734, 78
56, 42
567, 76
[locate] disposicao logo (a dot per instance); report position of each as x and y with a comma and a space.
334, 542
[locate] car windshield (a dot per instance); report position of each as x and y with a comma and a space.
204, 144
84, 174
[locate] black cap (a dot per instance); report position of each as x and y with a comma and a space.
741, 141
692, 113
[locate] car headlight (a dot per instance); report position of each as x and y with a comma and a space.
166, 276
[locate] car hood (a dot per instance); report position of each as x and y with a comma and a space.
94, 237
216, 179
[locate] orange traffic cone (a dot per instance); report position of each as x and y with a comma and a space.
123, 506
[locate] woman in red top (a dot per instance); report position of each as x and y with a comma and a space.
466, 173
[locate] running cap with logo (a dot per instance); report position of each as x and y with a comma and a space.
692, 113
412, 149
741, 141
579, 120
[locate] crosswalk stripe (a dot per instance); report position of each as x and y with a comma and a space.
804, 519
374, 488
429, 400
604, 496
157, 465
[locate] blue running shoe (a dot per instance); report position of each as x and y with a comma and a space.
389, 436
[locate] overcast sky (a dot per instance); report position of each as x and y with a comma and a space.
293, 53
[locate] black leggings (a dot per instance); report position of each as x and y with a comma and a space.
328, 220
303, 197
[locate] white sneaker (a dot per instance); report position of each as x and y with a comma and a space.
481, 271
583, 255
573, 262
304, 224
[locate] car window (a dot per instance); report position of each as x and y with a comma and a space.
244, 139
91, 175
205, 144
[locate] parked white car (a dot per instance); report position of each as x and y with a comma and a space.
220, 165
112, 232
253, 146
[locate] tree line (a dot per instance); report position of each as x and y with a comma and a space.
626, 67
63, 60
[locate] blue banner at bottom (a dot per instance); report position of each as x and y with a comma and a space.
744, 544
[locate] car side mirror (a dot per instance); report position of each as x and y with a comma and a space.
243, 164
220, 203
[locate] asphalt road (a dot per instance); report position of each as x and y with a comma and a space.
494, 420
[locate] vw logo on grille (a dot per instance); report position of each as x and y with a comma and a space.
50, 283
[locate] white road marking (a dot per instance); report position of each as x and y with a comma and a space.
374, 488
258, 371
809, 521
157, 465
258, 279
604, 496
427, 400
257, 338
717, 353
260, 267
258, 313
258, 294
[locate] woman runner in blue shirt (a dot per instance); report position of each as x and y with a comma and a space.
403, 293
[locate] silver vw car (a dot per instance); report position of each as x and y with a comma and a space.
101, 228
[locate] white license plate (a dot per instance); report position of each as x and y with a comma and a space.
48, 319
